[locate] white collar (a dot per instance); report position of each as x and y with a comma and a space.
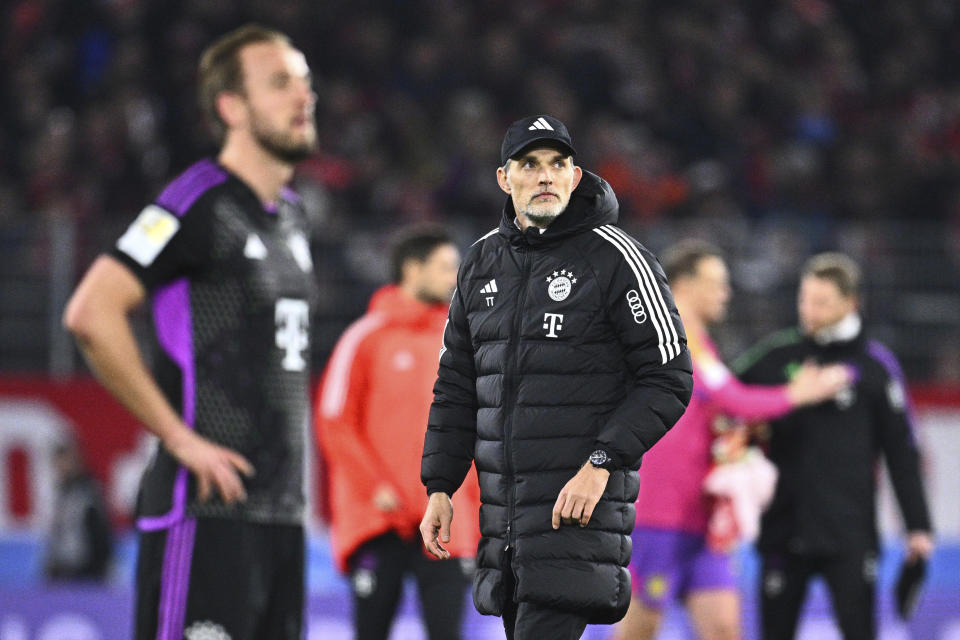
847, 329
516, 222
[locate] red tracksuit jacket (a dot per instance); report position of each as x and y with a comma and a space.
371, 418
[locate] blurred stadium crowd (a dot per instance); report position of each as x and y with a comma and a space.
773, 128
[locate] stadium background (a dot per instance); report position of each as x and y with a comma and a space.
774, 129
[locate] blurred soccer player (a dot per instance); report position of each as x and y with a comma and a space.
671, 557
223, 257
371, 420
823, 517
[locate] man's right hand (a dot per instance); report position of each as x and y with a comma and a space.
98, 315
919, 545
814, 383
216, 467
436, 524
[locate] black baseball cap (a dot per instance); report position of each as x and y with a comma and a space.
526, 131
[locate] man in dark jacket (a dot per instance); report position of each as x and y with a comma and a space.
823, 516
81, 538
563, 361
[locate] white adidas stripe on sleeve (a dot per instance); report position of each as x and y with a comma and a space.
668, 340
652, 279
341, 362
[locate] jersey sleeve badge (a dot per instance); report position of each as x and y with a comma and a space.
149, 234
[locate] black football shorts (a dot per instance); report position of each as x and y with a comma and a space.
220, 579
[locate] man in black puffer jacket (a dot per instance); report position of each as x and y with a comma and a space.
563, 361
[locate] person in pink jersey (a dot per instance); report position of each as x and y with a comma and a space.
672, 559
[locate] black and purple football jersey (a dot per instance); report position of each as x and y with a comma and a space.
231, 284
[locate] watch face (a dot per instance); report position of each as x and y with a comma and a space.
599, 458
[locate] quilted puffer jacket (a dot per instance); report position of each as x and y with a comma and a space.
557, 344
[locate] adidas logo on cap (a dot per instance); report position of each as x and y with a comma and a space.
544, 131
540, 123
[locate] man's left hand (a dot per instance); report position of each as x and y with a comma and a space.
580, 496
435, 526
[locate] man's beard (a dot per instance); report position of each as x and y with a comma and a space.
542, 218
282, 146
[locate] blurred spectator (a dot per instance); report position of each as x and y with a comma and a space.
798, 86
785, 111
81, 541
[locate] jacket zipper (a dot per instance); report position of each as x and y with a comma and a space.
509, 389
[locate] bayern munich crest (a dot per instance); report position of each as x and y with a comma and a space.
560, 284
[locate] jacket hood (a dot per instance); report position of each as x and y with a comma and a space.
391, 301
591, 205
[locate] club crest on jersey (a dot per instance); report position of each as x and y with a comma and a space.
560, 284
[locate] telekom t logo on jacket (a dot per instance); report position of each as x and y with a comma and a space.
552, 322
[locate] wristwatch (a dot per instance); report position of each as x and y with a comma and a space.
602, 460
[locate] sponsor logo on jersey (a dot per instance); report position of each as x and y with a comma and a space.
560, 284
292, 317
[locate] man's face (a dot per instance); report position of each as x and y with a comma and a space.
436, 277
540, 183
820, 304
709, 289
279, 100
